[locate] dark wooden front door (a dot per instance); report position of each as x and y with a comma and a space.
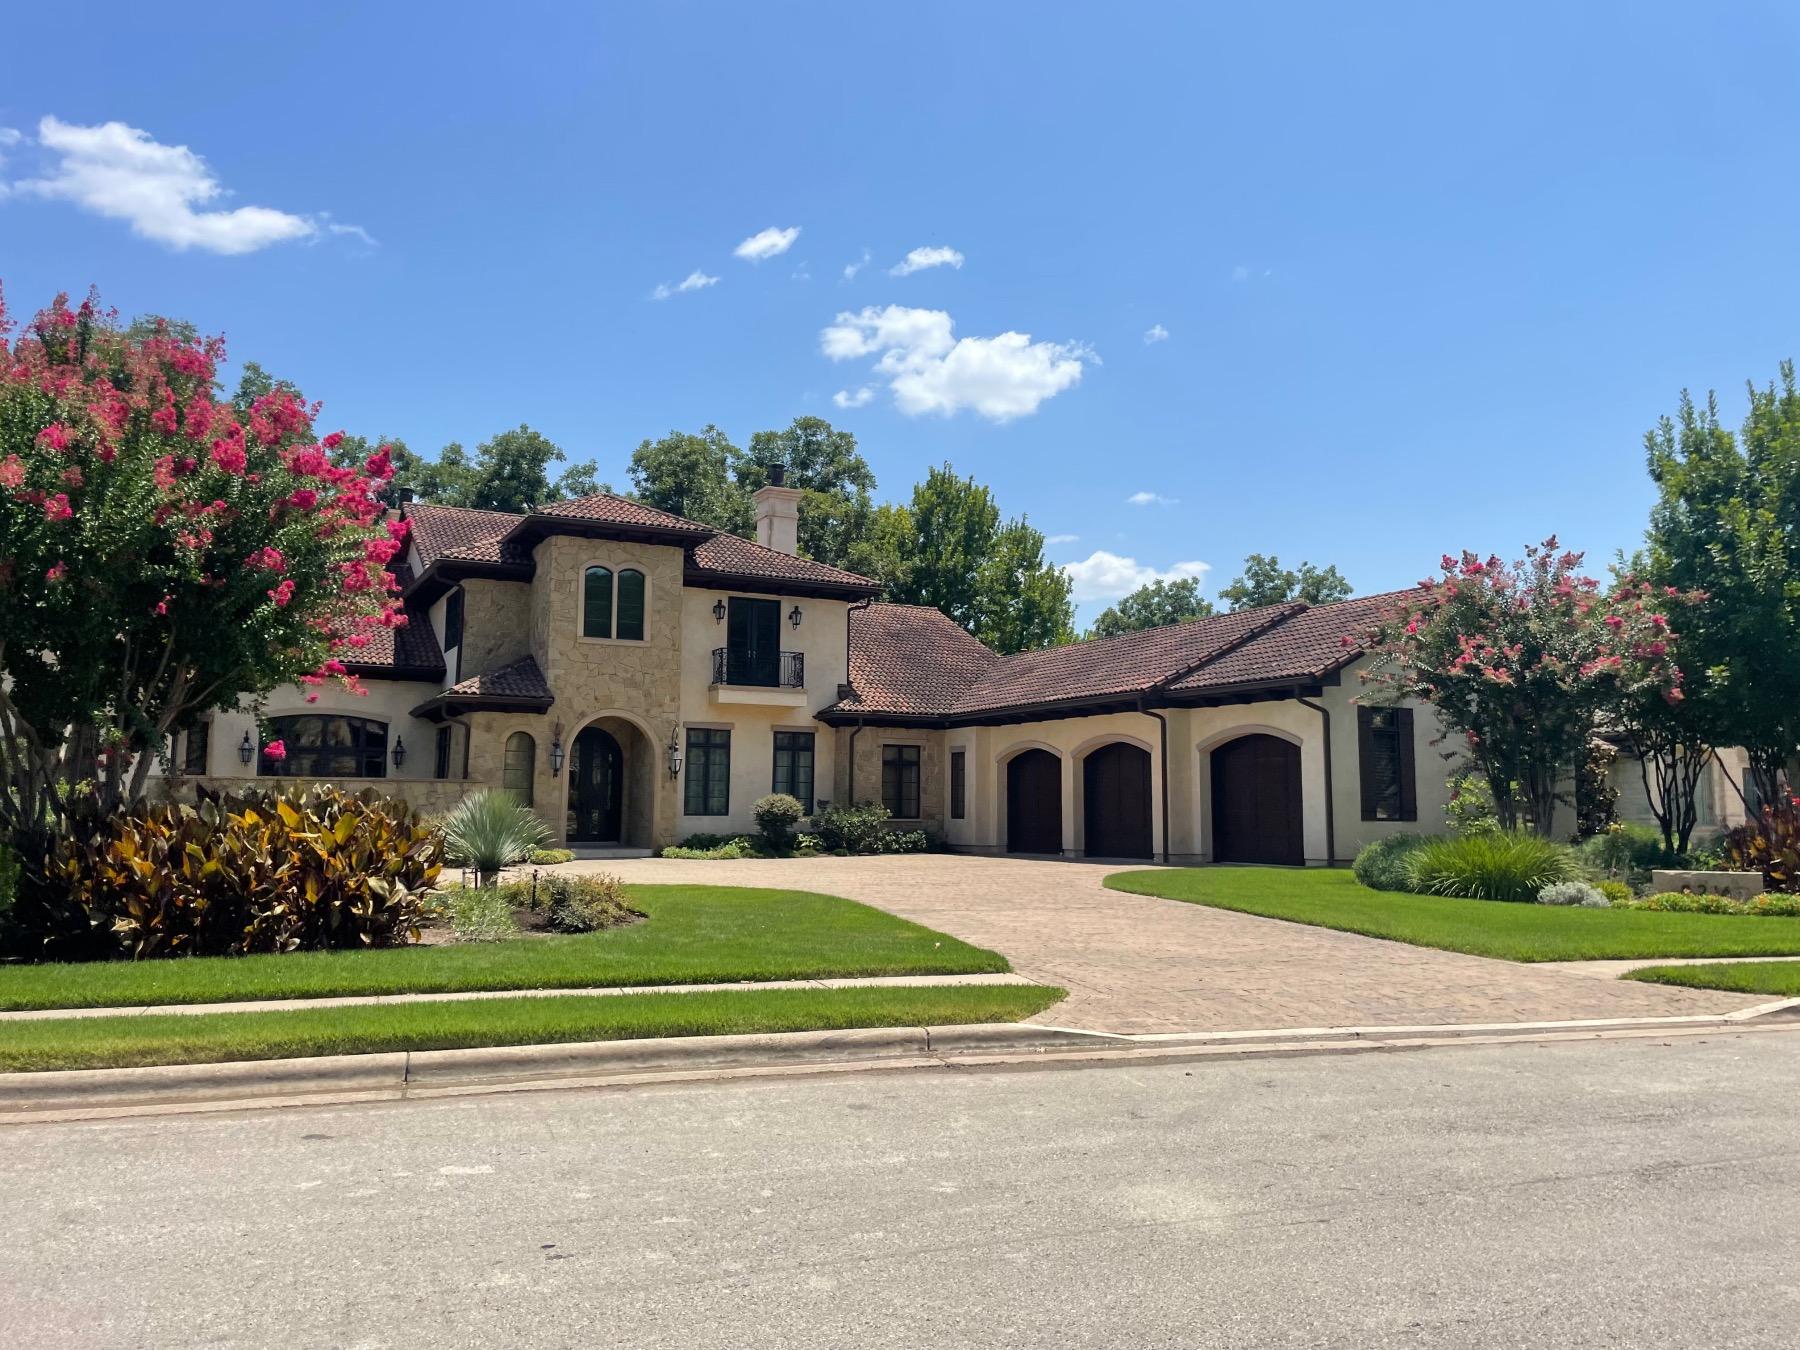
753, 642
1115, 783
1034, 803
596, 788
1256, 801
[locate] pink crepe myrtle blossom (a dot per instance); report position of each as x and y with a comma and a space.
57, 508
56, 571
55, 437
275, 750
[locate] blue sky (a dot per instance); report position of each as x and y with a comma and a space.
1425, 274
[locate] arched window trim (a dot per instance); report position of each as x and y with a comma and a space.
513, 769
617, 570
366, 746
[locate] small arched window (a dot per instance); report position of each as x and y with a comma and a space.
516, 773
597, 603
631, 605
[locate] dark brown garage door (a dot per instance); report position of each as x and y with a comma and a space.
1115, 782
1256, 801
1034, 803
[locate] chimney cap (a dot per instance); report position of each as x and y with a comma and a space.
777, 475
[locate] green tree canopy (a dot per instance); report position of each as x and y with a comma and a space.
1264, 581
690, 474
1154, 606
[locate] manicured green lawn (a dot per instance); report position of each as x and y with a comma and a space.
691, 935
205, 1038
1332, 898
1779, 979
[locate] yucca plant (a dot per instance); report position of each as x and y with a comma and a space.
1506, 865
491, 830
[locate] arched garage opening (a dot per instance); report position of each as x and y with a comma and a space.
1116, 813
1256, 801
1034, 803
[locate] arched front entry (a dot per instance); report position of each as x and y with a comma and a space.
1034, 803
596, 788
1116, 816
1256, 801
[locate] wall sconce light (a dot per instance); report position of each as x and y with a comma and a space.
719, 611
246, 750
399, 755
675, 753
794, 616
556, 751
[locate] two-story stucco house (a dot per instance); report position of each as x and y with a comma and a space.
638, 678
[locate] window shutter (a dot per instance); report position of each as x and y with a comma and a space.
1365, 761
1403, 750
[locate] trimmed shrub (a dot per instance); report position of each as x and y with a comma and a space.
1681, 902
1625, 847
903, 841
1617, 892
482, 914
1511, 866
550, 857
777, 816
1770, 844
852, 829
229, 876
1382, 864
1574, 893
582, 904
728, 849
491, 830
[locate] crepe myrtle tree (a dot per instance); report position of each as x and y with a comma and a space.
1523, 661
162, 552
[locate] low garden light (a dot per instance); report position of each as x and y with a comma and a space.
246, 749
675, 753
399, 754
794, 616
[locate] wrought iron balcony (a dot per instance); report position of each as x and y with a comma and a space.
746, 666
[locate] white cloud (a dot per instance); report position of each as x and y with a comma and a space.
921, 258
767, 243
1107, 576
1240, 273
118, 171
930, 370
693, 281
1151, 499
1156, 333
1062, 539
860, 399
851, 269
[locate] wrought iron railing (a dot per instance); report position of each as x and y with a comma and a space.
747, 666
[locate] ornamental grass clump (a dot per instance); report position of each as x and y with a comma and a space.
491, 830
1508, 865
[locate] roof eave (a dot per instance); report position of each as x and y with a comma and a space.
743, 581
455, 705
539, 525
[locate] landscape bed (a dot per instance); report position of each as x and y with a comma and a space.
690, 935
1333, 898
205, 1038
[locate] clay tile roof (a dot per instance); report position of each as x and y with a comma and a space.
910, 659
410, 651
608, 509
726, 555
463, 534
1310, 644
521, 679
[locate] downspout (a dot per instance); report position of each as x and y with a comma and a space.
1163, 765
1330, 808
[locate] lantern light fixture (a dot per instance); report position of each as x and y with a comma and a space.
556, 751
675, 753
246, 750
719, 610
794, 616
399, 753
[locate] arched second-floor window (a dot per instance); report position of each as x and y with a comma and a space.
324, 745
517, 771
597, 603
631, 605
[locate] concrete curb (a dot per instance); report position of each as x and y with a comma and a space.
88, 1094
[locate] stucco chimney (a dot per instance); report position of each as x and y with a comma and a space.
778, 513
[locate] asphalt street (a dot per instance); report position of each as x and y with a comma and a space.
1624, 1193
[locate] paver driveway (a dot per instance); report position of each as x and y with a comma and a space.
1136, 963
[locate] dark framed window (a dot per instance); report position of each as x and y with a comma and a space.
194, 747
708, 772
320, 745
453, 620
959, 788
900, 781
631, 605
516, 770
1384, 746
597, 603
794, 766
441, 764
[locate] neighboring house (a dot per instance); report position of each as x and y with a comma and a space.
638, 678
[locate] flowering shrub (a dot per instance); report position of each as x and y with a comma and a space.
1520, 660
161, 553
